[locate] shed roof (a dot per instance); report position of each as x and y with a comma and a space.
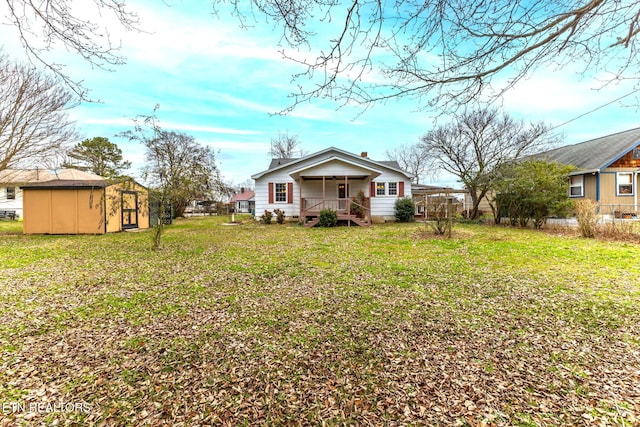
595, 154
28, 176
67, 183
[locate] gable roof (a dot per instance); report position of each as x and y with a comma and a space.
243, 196
596, 154
277, 164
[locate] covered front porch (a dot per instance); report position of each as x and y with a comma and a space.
343, 194
337, 184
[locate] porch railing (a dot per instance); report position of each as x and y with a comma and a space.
311, 206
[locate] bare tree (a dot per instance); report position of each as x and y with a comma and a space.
33, 117
178, 168
285, 146
40, 26
412, 159
449, 51
480, 141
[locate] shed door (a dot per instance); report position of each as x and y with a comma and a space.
129, 209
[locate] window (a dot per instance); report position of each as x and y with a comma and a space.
625, 183
11, 193
386, 188
281, 192
576, 186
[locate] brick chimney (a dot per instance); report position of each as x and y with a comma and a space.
364, 154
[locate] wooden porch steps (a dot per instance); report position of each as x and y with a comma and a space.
312, 222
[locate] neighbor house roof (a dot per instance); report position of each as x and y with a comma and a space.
277, 164
596, 154
243, 196
28, 176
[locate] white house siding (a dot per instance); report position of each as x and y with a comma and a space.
313, 188
336, 168
11, 204
262, 194
384, 206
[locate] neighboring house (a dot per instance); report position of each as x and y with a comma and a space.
12, 179
607, 171
359, 189
244, 201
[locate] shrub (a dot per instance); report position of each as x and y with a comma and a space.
266, 217
587, 217
279, 216
328, 218
405, 210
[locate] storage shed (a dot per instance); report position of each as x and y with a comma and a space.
84, 207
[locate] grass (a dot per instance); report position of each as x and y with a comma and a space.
278, 325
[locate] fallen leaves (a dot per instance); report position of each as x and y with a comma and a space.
245, 334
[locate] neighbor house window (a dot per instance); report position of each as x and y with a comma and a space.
576, 186
281, 192
625, 183
11, 193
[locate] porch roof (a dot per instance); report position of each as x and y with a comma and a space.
347, 168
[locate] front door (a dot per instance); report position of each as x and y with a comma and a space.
129, 209
343, 193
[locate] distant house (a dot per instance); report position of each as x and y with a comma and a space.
607, 171
359, 189
11, 181
244, 201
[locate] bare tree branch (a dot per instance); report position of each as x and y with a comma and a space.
480, 141
446, 52
43, 25
33, 115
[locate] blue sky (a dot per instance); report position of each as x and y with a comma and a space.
221, 84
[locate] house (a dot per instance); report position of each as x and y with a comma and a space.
12, 179
244, 201
75, 206
358, 188
607, 171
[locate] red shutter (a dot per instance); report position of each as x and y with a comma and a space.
372, 189
270, 190
290, 192
401, 189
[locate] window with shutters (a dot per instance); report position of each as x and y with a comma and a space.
280, 192
386, 188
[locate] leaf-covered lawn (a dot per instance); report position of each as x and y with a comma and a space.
282, 325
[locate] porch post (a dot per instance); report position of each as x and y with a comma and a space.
347, 203
301, 210
323, 190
